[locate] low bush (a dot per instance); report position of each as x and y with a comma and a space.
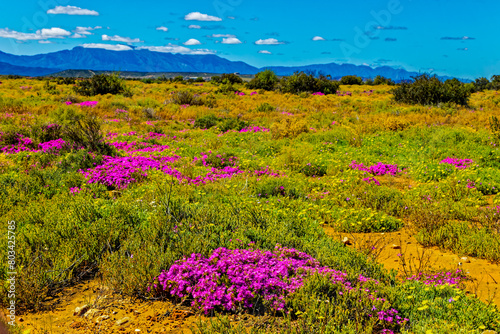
301, 82
101, 84
427, 90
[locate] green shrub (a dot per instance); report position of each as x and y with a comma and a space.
427, 90
101, 84
186, 97
266, 80
301, 82
86, 133
232, 124
265, 107
380, 80
351, 80
206, 122
230, 78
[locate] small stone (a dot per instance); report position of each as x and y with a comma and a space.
122, 321
465, 259
81, 310
137, 330
346, 241
90, 313
395, 246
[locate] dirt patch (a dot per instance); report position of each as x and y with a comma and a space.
401, 251
90, 308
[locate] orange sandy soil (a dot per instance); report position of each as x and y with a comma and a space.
111, 313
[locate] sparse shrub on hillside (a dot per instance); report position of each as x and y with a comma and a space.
481, 84
288, 128
351, 80
266, 80
396, 123
495, 128
186, 97
65, 81
380, 80
206, 122
231, 78
86, 133
232, 124
495, 82
149, 113
50, 88
265, 107
226, 88
101, 84
301, 82
427, 90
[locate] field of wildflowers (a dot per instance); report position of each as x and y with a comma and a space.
221, 204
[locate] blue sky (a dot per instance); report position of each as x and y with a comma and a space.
458, 38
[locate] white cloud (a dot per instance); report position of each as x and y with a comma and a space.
231, 40
172, 48
194, 26
265, 52
38, 35
45, 42
112, 47
117, 38
318, 38
72, 10
222, 35
269, 41
162, 29
231, 17
192, 41
197, 16
85, 30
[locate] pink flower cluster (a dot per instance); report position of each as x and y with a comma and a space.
377, 169
22, 145
371, 179
254, 129
139, 147
83, 104
266, 171
441, 278
53, 146
88, 104
344, 93
239, 93
318, 93
458, 163
153, 135
231, 278
119, 172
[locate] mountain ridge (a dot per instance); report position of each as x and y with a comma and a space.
147, 61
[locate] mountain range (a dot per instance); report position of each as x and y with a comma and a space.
80, 58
